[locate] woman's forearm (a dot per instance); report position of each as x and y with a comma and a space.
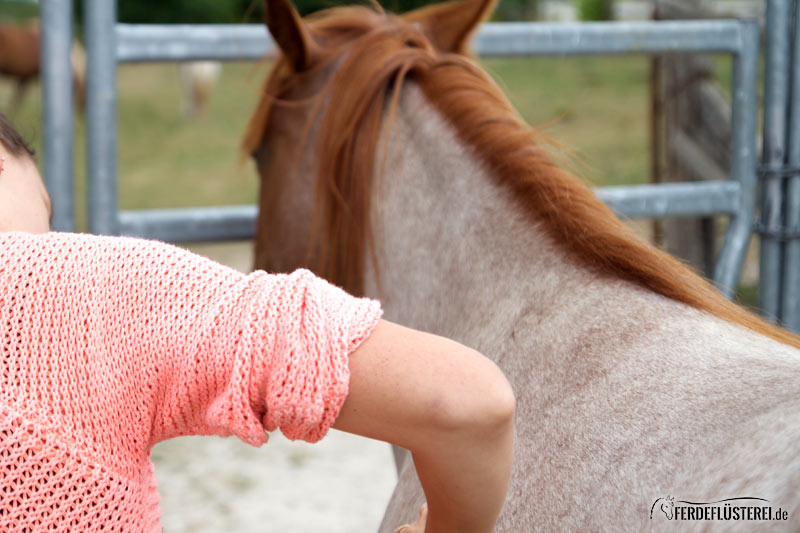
447, 404
465, 476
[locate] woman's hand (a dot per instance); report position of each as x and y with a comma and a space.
419, 525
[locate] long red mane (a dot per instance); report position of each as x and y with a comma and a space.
382, 53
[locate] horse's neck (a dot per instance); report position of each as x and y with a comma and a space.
457, 255
620, 392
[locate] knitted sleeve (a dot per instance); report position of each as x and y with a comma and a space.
137, 341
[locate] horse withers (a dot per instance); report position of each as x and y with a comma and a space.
393, 165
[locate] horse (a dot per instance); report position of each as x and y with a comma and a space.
394, 166
19, 60
197, 79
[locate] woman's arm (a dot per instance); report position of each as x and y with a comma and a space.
447, 404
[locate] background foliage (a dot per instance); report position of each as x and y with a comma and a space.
594, 9
240, 11
244, 11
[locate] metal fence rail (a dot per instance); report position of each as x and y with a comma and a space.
186, 42
191, 42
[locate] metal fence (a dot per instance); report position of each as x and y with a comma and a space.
109, 43
779, 224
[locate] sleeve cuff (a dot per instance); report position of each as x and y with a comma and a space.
308, 381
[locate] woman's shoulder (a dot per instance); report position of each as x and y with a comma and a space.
55, 238
125, 256
65, 244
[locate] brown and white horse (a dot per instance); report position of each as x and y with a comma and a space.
393, 165
19, 60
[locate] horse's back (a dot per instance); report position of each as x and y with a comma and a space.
647, 398
674, 402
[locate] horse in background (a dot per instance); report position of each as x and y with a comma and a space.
197, 80
19, 60
393, 165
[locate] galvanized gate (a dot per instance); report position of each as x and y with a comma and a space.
109, 43
779, 224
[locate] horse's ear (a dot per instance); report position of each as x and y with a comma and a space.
450, 25
290, 33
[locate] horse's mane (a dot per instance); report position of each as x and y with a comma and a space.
376, 54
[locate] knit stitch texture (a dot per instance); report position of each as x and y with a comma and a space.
111, 345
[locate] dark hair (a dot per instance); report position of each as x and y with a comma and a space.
12, 140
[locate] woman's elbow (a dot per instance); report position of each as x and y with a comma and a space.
499, 402
479, 399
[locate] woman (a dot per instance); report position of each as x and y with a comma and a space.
111, 345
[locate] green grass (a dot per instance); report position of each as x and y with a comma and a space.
747, 295
168, 160
597, 107
164, 158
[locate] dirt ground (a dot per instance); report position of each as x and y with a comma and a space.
209, 484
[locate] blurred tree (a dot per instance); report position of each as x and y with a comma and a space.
172, 11
242, 11
253, 8
18, 9
522, 10
595, 9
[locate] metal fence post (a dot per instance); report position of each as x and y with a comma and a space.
57, 109
743, 160
790, 307
100, 17
775, 104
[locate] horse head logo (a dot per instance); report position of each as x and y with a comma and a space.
667, 506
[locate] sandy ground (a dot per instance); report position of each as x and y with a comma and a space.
209, 484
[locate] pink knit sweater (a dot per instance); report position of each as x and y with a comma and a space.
110, 345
